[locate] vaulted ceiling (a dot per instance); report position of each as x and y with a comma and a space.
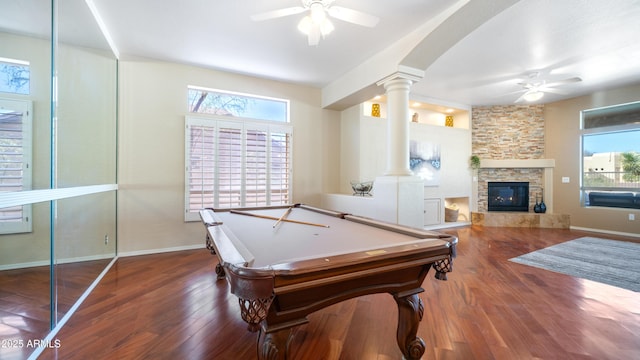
479, 64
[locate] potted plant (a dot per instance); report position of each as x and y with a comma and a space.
474, 161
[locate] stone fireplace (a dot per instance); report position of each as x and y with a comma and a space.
510, 143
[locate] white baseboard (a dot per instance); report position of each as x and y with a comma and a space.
605, 231
99, 257
24, 265
60, 261
161, 250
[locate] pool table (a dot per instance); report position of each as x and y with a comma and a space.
285, 262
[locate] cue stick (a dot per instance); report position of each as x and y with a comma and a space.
283, 216
275, 218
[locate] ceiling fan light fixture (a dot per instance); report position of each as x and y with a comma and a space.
316, 23
533, 95
307, 24
326, 27
318, 15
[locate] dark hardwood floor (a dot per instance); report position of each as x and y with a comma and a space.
25, 304
170, 306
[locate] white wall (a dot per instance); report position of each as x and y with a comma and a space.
153, 103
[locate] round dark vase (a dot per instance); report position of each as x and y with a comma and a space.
536, 207
543, 207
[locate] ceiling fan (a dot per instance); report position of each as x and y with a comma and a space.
535, 87
316, 24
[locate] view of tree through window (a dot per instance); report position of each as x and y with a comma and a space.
611, 156
14, 76
217, 102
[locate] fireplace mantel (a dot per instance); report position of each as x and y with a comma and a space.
516, 163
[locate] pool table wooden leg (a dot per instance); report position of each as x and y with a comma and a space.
410, 311
273, 345
220, 272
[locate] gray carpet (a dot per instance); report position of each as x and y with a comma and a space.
610, 262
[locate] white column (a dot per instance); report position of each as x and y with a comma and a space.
397, 91
399, 195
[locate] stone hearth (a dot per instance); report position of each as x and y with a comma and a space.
520, 219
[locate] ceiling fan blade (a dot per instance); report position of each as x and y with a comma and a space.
278, 13
514, 92
353, 16
563, 82
521, 98
526, 85
553, 91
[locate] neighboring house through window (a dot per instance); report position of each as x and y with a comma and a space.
611, 156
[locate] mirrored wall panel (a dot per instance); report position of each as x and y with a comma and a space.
51, 251
25, 143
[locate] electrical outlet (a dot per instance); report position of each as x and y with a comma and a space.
632, 217
565, 179
106, 239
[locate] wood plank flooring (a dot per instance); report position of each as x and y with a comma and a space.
170, 306
25, 304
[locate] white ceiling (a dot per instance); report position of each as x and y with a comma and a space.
596, 40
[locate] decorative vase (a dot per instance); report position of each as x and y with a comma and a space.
375, 110
537, 208
543, 207
414, 118
448, 121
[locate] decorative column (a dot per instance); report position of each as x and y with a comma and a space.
397, 91
399, 195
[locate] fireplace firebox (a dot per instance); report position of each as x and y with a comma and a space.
508, 196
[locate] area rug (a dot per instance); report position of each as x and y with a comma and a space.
610, 262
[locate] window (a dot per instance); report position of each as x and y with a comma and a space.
224, 103
15, 162
236, 163
14, 76
611, 156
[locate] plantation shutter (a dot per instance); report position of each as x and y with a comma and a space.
15, 162
236, 164
280, 167
256, 167
200, 176
229, 167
